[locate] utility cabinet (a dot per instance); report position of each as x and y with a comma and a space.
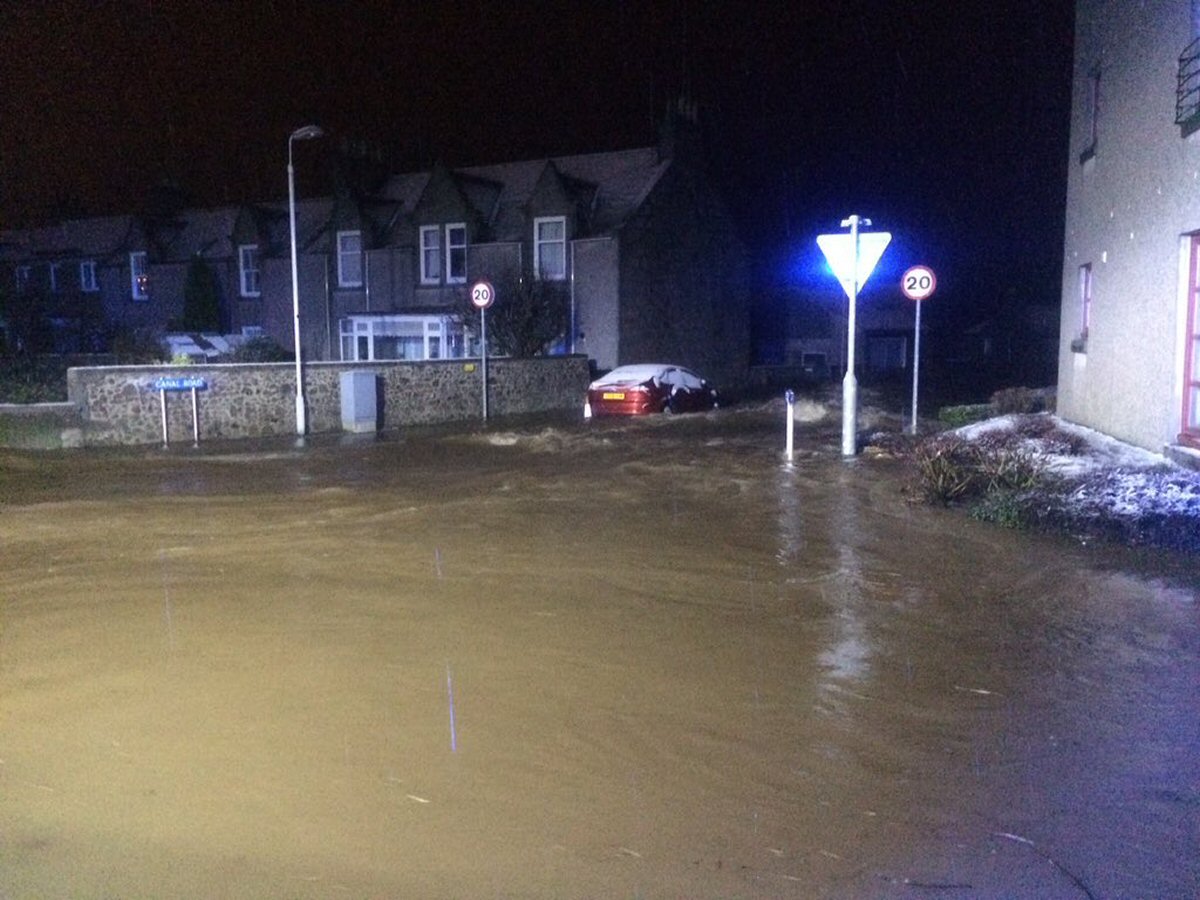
360, 409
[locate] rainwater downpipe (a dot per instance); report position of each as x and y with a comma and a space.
328, 314
571, 342
367, 279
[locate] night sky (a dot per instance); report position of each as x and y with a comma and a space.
942, 120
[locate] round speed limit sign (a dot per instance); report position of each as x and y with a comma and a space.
482, 294
918, 283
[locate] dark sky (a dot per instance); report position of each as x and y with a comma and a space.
943, 120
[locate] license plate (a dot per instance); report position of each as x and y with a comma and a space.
614, 395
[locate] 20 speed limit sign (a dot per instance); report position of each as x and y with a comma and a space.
482, 294
918, 283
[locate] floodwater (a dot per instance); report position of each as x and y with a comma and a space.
617, 659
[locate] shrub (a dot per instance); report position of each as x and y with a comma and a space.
957, 416
260, 349
950, 469
26, 379
1016, 400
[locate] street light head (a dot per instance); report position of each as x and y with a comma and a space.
307, 132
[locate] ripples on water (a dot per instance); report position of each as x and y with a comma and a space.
680, 668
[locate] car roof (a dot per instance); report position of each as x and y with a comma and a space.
640, 372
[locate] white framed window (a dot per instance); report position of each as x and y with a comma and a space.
87, 276
22, 276
371, 338
55, 280
349, 259
456, 253
251, 286
139, 275
431, 254
550, 248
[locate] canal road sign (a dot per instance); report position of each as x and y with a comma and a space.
180, 383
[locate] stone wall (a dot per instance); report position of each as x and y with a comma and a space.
119, 404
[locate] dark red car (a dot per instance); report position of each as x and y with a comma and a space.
648, 388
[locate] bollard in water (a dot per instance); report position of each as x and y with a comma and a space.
790, 396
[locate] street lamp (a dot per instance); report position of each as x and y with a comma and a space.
308, 132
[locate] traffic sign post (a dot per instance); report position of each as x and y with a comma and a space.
483, 295
175, 383
918, 283
852, 257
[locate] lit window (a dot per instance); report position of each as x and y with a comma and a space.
248, 267
87, 276
349, 259
139, 276
22, 278
431, 254
550, 248
456, 253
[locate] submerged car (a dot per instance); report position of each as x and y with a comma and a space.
648, 388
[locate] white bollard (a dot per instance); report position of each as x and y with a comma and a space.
790, 397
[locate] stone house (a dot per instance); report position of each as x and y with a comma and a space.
1129, 350
638, 241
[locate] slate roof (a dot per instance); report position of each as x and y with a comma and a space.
621, 180
611, 186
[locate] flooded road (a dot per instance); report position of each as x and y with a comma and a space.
632, 659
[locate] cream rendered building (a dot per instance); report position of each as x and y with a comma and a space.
1129, 358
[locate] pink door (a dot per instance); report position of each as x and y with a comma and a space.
1190, 433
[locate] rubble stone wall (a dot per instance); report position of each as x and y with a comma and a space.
120, 405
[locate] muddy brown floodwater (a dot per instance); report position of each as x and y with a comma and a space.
636, 659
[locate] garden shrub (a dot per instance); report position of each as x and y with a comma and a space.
950, 469
1016, 400
260, 349
957, 416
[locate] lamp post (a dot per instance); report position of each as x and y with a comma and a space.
308, 132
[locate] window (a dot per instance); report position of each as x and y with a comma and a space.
87, 276
431, 254
349, 259
55, 280
248, 267
139, 276
413, 338
1092, 113
22, 275
1085, 306
550, 248
456, 253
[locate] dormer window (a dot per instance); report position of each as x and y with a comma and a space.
443, 253
456, 253
431, 254
550, 248
349, 259
251, 285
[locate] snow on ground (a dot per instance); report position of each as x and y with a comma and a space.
1106, 477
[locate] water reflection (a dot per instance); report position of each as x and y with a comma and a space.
628, 660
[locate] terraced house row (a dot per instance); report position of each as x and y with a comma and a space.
637, 241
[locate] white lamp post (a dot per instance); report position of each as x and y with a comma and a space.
308, 132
